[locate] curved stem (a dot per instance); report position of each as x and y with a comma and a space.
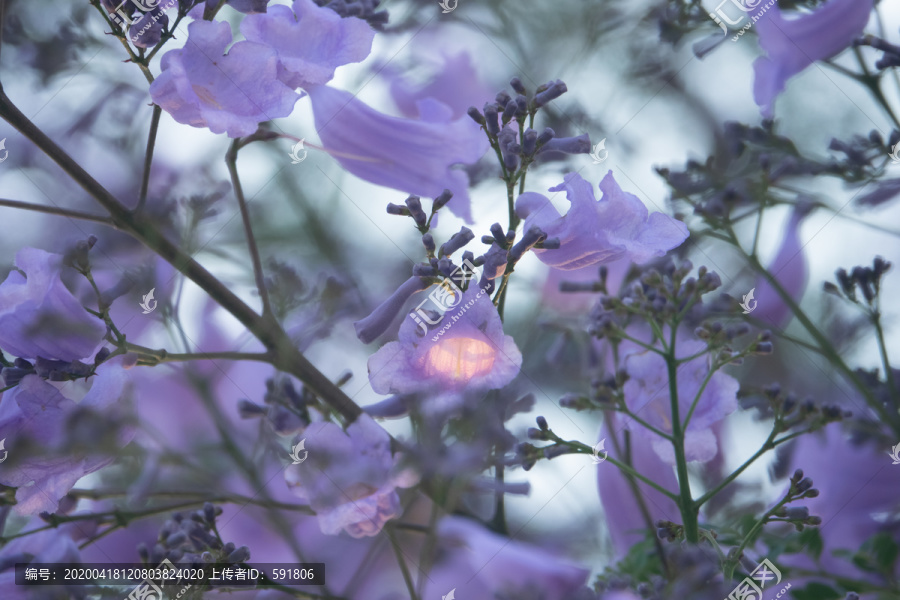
61, 212
286, 356
148, 158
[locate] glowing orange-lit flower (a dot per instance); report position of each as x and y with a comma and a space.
467, 349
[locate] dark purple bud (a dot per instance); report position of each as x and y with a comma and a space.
796, 513
551, 244
377, 323
456, 241
569, 145
521, 106
545, 136
423, 270
492, 119
502, 99
506, 138
542, 423
535, 434
510, 161
250, 410
497, 232
396, 209
516, 84
487, 239
475, 115
414, 204
441, 200
428, 242
209, 512
797, 476
531, 237
554, 451
529, 141
554, 90
804, 484
509, 112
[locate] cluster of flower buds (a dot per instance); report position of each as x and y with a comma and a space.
732, 179
53, 370
286, 409
367, 10
791, 412
413, 208
519, 146
891, 56
659, 294
191, 538
801, 488
721, 337
867, 280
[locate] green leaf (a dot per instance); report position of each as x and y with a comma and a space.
816, 591
884, 550
811, 539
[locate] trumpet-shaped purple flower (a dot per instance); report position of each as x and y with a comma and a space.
34, 414
39, 316
647, 395
790, 269
350, 478
482, 565
311, 41
413, 156
617, 226
202, 86
467, 349
793, 44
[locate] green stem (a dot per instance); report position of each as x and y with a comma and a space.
689, 512
148, 158
61, 212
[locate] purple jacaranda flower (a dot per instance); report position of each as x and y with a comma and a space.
647, 395
792, 44
146, 30
202, 86
467, 349
37, 415
481, 565
311, 41
377, 323
790, 269
350, 478
52, 546
456, 84
624, 517
39, 316
615, 227
411, 155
